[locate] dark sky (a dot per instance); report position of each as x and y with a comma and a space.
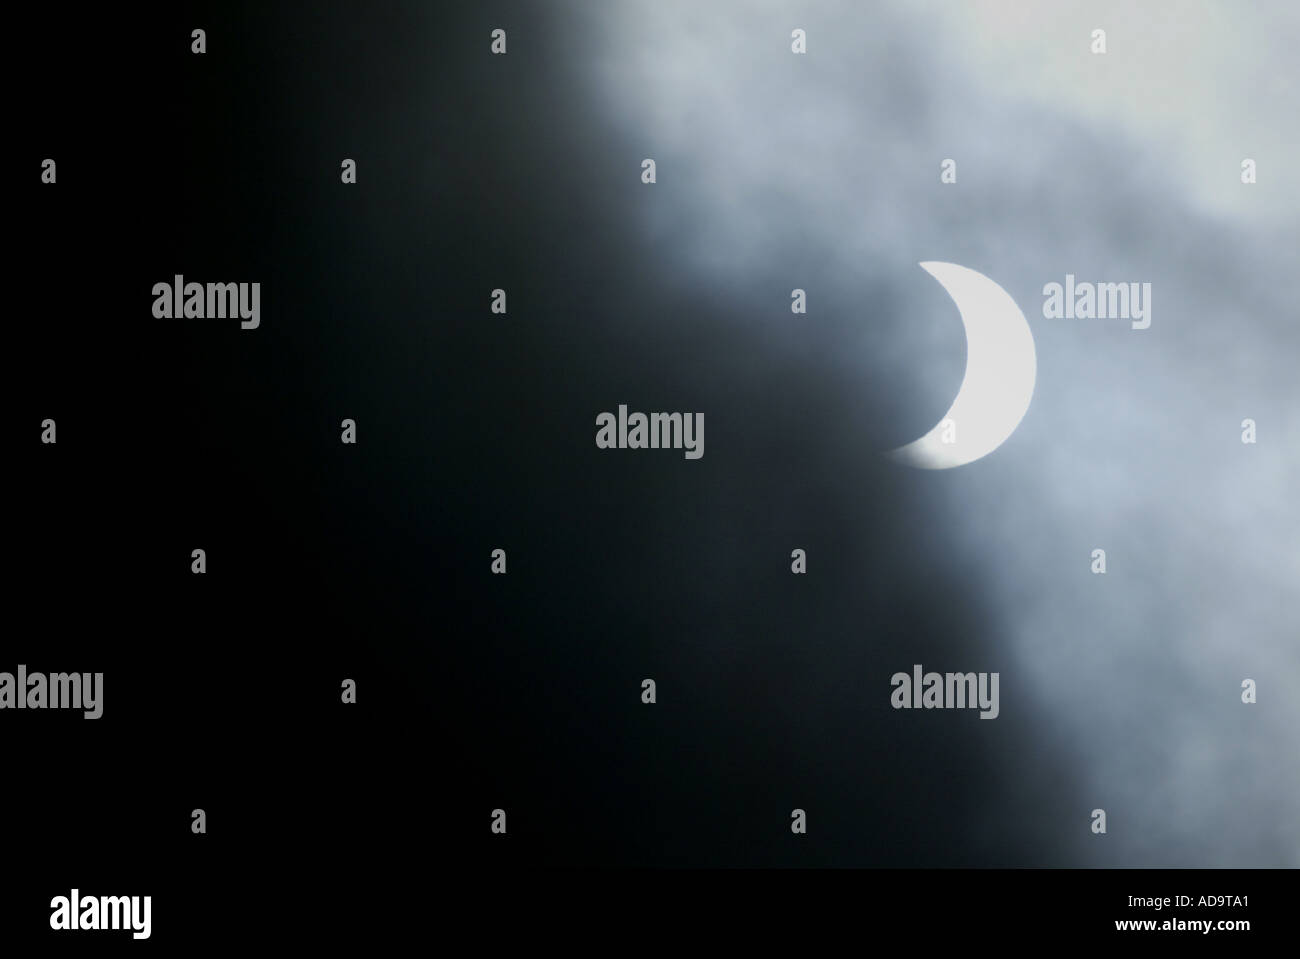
476, 431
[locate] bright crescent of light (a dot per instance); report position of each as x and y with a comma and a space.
1001, 367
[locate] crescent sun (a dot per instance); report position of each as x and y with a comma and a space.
1001, 366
